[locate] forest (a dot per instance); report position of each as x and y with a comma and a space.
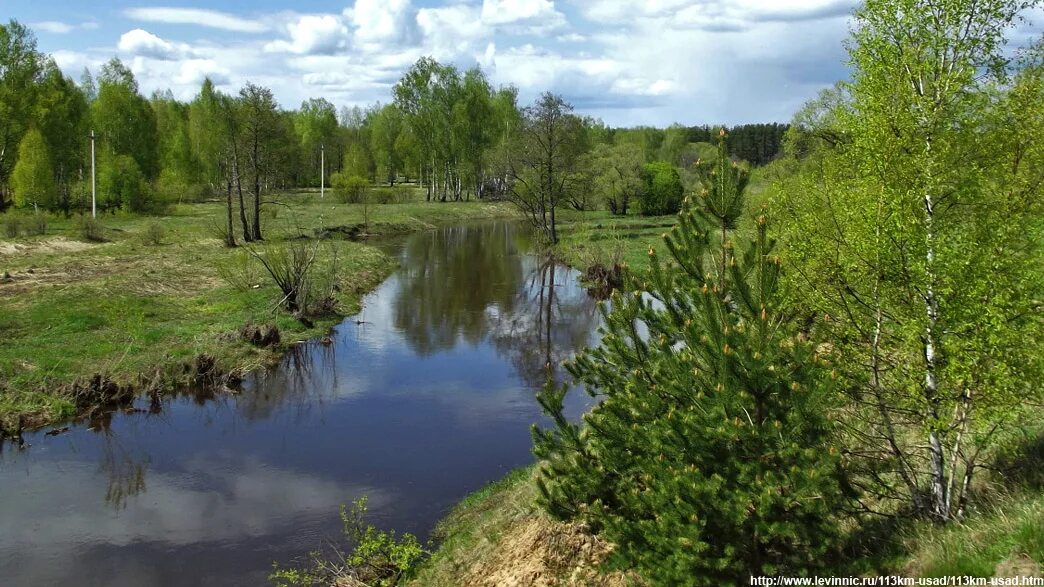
819, 342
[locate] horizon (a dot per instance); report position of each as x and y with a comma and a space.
629, 63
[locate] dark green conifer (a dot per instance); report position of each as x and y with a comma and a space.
708, 459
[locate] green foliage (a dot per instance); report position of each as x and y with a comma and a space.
387, 128
33, 177
61, 113
350, 189
375, 557
315, 125
37, 224
12, 225
120, 184
91, 229
154, 234
724, 187
709, 457
21, 65
125, 121
662, 190
615, 173
916, 236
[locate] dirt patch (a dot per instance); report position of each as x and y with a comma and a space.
1018, 566
58, 244
260, 336
539, 552
142, 275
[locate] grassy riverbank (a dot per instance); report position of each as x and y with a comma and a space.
589, 238
136, 309
498, 536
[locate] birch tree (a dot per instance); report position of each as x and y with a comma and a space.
914, 244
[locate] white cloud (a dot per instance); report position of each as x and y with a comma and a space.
192, 72
627, 61
197, 16
382, 23
527, 16
141, 43
714, 15
451, 30
313, 35
62, 28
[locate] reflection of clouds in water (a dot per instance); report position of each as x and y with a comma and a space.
213, 499
375, 333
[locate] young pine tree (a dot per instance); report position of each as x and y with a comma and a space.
709, 457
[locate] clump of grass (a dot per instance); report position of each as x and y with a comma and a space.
1013, 530
153, 234
12, 225
37, 225
91, 229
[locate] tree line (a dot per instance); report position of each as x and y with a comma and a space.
451, 131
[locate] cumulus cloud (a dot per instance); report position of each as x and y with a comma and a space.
627, 61
197, 16
382, 23
530, 16
192, 72
452, 30
313, 35
142, 43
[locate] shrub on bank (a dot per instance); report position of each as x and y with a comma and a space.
662, 190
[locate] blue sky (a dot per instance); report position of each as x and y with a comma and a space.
628, 62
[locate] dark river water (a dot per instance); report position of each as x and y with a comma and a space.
425, 396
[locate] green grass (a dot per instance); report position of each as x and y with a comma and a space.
586, 238
71, 309
475, 526
986, 544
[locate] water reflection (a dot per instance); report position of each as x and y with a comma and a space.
453, 282
551, 320
423, 397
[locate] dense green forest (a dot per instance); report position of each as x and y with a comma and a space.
836, 339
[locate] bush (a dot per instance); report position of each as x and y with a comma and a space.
402, 194
12, 225
307, 286
92, 230
375, 557
662, 190
170, 190
350, 189
153, 234
37, 224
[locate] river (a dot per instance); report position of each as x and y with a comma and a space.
423, 397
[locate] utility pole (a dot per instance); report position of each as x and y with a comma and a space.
322, 171
94, 183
